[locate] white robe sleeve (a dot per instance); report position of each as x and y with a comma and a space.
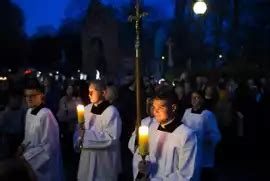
39, 155
76, 139
184, 117
212, 133
187, 161
131, 142
94, 139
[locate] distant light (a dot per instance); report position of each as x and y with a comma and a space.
38, 74
163, 58
63, 77
57, 77
3, 78
81, 76
199, 7
97, 75
220, 56
9, 70
57, 72
161, 80
72, 78
79, 70
28, 71
50, 74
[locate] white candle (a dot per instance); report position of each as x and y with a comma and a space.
143, 140
80, 113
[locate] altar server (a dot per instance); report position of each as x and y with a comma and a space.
100, 155
204, 123
41, 143
172, 145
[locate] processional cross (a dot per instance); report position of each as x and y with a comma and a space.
137, 18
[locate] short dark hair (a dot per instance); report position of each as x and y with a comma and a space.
167, 94
199, 92
34, 84
99, 84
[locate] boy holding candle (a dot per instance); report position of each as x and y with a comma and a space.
100, 156
172, 146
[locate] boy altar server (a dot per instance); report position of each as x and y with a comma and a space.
41, 143
100, 156
172, 145
204, 123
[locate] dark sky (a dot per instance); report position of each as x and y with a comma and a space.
52, 12
41, 12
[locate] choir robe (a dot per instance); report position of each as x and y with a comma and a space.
172, 152
100, 156
42, 148
204, 123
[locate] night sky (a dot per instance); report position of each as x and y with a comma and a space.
51, 12
41, 13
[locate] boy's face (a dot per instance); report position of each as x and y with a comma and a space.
162, 110
95, 95
33, 97
196, 100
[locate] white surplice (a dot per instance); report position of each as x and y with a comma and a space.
42, 145
100, 157
205, 126
172, 156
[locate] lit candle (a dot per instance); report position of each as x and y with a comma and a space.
143, 140
80, 113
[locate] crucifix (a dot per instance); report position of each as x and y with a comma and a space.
141, 132
137, 18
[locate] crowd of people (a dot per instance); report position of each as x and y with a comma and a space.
195, 122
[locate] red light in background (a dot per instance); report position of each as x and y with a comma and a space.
28, 71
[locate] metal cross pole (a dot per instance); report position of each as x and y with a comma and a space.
137, 18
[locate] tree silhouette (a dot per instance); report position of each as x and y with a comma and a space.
12, 37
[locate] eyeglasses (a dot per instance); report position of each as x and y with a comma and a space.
30, 96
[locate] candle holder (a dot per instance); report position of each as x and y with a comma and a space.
143, 173
143, 170
81, 127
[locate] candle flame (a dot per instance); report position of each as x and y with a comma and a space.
80, 107
143, 130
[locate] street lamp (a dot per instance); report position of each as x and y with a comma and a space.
199, 7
